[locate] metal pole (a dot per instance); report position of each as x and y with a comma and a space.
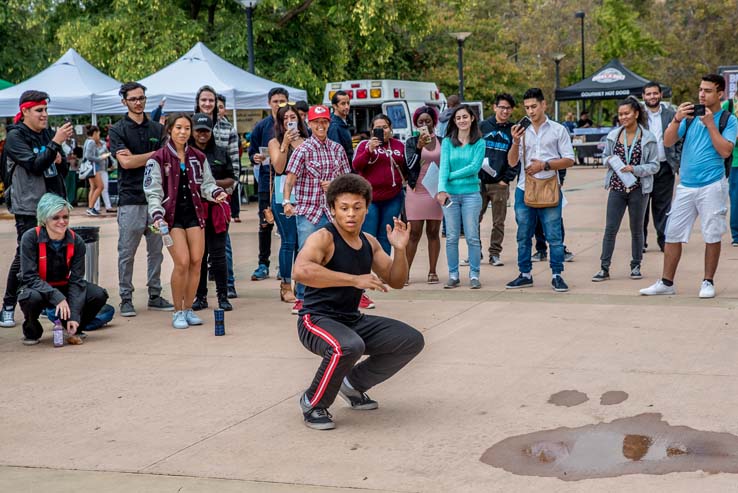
250, 27
583, 74
461, 69
556, 106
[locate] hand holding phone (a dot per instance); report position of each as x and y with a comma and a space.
698, 110
524, 122
291, 125
378, 134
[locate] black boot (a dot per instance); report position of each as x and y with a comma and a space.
200, 303
224, 304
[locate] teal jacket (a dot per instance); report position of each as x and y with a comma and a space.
459, 172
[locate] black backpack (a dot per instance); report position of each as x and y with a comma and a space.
728, 163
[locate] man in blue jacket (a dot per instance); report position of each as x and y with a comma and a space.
339, 130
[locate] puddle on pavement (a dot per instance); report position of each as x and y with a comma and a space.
643, 444
613, 397
568, 398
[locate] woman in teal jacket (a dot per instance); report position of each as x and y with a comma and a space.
462, 153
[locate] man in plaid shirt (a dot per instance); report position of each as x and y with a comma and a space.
310, 170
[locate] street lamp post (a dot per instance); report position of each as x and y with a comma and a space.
557, 57
580, 15
250, 5
460, 37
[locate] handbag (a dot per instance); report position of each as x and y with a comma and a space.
268, 213
541, 192
86, 170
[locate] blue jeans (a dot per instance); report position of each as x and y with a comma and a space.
229, 262
464, 210
304, 229
287, 227
733, 193
380, 214
550, 218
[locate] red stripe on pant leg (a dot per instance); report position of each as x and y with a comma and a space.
323, 334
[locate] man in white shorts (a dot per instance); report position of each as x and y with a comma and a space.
703, 189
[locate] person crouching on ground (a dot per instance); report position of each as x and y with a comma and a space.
176, 180
336, 265
53, 270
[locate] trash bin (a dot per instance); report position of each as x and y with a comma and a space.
91, 237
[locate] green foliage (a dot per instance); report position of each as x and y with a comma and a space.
621, 35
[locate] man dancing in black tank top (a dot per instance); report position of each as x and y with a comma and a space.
336, 265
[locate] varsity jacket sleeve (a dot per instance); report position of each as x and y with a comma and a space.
475, 164
22, 153
77, 283
30, 277
209, 189
153, 189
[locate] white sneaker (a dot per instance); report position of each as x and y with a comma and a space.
7, 318
658, 288
707, 290
192, 318
179, 320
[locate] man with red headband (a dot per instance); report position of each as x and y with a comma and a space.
35, 164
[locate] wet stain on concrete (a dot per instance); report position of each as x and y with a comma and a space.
642, 444
568, 398
613, 397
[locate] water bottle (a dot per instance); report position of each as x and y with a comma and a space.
165, 236
58, 332
219, 322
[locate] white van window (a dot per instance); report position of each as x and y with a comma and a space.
396, 113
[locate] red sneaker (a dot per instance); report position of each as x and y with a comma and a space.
297, 307
366, 303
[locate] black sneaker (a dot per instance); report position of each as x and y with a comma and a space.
317, 418
127, 309
520, 282
635, 272
224, 304
539, 257
160, 304
200, 303
558, 284
232, 292
568, 256
602, 275
357, 400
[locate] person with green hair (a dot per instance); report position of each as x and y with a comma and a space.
52, 259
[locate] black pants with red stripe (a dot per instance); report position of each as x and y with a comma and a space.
390, 345
32, 303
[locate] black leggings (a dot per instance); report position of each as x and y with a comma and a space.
215, 253
390, 344
32, 303
22, 224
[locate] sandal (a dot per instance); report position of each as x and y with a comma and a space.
432, 278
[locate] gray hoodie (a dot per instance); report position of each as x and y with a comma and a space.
649, 158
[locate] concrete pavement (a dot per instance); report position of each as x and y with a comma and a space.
142, 407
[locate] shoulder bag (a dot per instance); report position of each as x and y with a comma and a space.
540, 192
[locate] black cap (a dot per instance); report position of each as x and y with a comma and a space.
202, 122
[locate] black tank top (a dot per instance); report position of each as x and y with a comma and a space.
340, 302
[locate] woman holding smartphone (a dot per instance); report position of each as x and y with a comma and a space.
462, 153
421, 153
290, 132
381, 160
96, 152
176, 180
633, 146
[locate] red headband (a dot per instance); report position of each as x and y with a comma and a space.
26, 105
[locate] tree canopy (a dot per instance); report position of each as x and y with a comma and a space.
306, 43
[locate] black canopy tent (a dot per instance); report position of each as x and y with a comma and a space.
613, 81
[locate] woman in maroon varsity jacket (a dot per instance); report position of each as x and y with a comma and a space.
176, 181
381, 162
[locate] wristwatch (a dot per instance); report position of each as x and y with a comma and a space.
286, 202
547, 166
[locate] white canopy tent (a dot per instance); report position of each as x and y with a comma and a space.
180, 80
71, 83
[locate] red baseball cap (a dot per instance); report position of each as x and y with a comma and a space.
318, 112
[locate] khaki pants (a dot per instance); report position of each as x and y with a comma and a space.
498, 194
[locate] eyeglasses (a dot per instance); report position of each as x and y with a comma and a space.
136, 100
60, 218
504, 108
288, 103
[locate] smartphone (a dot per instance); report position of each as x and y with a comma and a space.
448, 202
423, 130
524, 122
291, 125
378, 133
699, 110
67, 120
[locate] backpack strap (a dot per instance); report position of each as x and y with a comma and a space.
42, 259
724, 116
